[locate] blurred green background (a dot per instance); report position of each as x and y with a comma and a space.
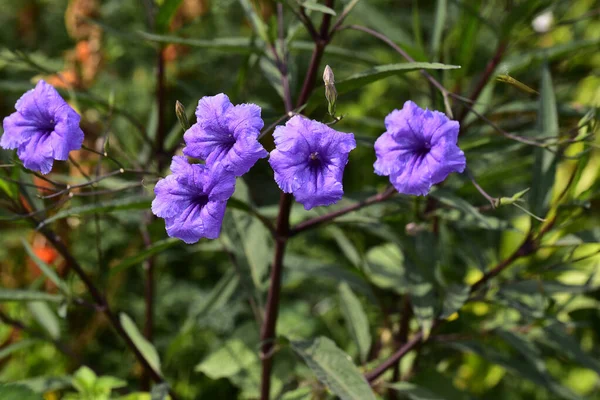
533, 335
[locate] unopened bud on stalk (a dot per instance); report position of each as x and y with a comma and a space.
181, 116
330, 92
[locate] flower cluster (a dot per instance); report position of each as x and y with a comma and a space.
43, 129
417, 150
193, 199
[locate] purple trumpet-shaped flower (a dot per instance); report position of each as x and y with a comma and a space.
226, 133
43, 129
192, 199
309, 161
418, 149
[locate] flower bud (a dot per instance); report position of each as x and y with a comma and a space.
181, 116
330, 92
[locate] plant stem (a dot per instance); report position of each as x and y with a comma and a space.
314, 222
149, 284
527, 247
101, 303
487, 73
267, 334
282, 229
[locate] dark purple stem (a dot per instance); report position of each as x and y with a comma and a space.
526, 248
314, 222
282, 229
100, 303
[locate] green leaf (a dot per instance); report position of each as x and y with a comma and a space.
424, 302
345, 245
131, 203
469, 213
520, 61
28, 295
544, 166
234, 44
299, 268
348, 8
108, 383
313, 5
385, 268
513, 199
371, 75
230, 359
45, 384
46, 269
160, 391
13, 391
84, 380
217, 300
156, 247
441, 11
302, 393
529, 366
165, 13
414, 392
556, 336
11, 348
250, 241
356, 319
334, 368
143, 345
44, 315
259, 27
456, 297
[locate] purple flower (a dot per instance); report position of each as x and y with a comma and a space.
418, 149
44, 128
226, 133
192, 199
309, 161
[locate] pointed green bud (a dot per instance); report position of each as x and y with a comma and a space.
330, 92
181, 116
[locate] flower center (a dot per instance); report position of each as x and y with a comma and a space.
423, 149
201, 200
314, 160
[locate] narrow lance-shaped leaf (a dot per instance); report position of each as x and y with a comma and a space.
165, 14
334, 368
313, 5
45, 268
11, 348
143, 345
371, 75
544, 166
441, 10
414, 392
260, 28
28, 295
132, 203
156, 247
46, 317
356, 319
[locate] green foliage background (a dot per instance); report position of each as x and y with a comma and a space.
532, 333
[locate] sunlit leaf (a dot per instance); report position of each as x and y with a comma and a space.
334, 368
